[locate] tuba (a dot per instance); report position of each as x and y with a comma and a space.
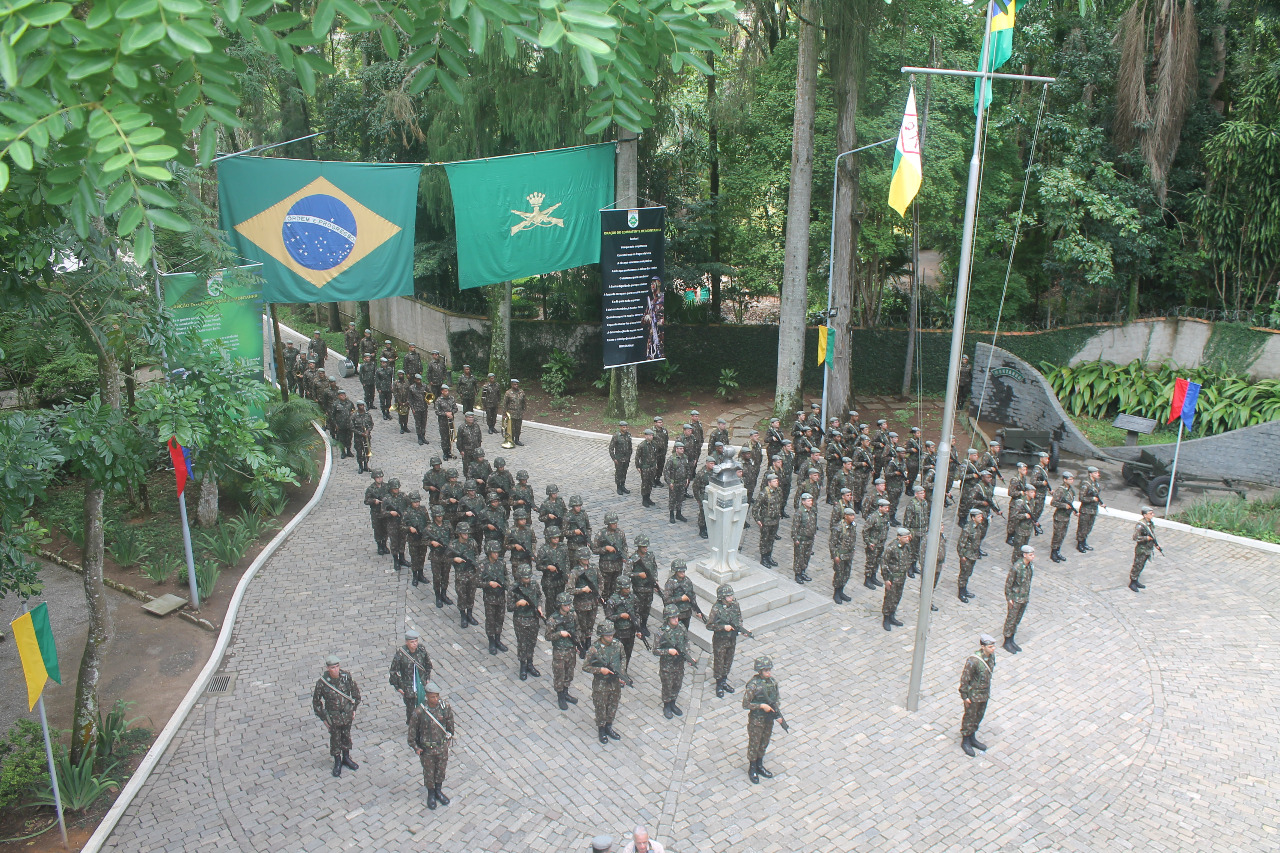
507, 442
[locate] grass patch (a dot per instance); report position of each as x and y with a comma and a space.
1255, 519
1103, 434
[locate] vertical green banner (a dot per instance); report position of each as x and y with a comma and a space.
225, 308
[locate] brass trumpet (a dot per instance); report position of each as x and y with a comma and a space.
507, 441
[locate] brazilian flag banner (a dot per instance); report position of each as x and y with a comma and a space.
527, 214
323, 231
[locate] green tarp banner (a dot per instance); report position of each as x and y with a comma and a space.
226, 308
324, 231
528, 214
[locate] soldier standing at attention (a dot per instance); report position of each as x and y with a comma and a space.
785, 472
412, 363
437, 537
491, 399
430, 730
468, 441
494, 582
605, 663
415, 526
644, 581
552, 512
334, 700
842, 543
446, 406
389, 353
577, 524
1018, 485
561, 627
584, 583
410, 670
362, 435
400, 391
317, 347
393, 507
661, 441
774, 438
1063, 499
679, 593
465, 572
693, 452
863, 465
621, 610
326, 396
700, 483
671, 649
837, 511
501, 484
525, 604
991, 459
1022, 521
975, 691
916, 519
620, 453
374, 494
521, 497
895, 479
418, 405
760, 699
553, 563
647, 465
1144, 537
752, 457
915, 450
610, 546
719, 434
384, 380
367, 345
513, 404
965, 379
725, 624
1040, 479
970, 536
1090, 503
437, 372
804, 528
893, 568
983, 497
677, 474
871, 501
519, 543
367, 372
874, 534
766, 511
1017, 590
467, 384
290, 365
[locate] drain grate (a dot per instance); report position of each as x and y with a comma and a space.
221, 684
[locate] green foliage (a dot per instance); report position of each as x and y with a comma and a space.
665, 372
727, 385
253, 524
207, 574
79, 786
1233, 347
227, 542
24, 768
1256, 519
557, 372
111, 730
69, 376
28, 460
127, 546
161, 568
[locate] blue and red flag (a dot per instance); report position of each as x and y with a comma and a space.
1185, 395
181, 457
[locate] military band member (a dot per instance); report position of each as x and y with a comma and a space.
317, 347
1017, 590
975, 691
1144, 538
620, 452
1090, 503
725, 624
893, 568
437, 372
412, 363
561, 633
672, 650
334, 700
367, 345
410, 670
430, 729
525, 603
343, 414
763, 706
468, 441
400, 393
1063, 501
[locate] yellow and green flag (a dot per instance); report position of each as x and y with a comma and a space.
34, 639
1002, 22
907, 170
826, 346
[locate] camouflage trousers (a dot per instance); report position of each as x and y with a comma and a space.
894, 494
395, 532
892, 595
609, 571
464, 587
343, 436
403, 413
750, 479
446, 435
786, 491
495, 610
675, 498
362, 445
1139, 563
801, 551
434, 759
552, 585
628, 643
768, 530
586, 624
384, 403
644, 603
859, 486
702, 515
1037, 505
840, 571
966, 572
563, 663
491, 417
339, 738
647, 476
1014, 616
873, 560
723, 645
1061, 520
440, 575
379, 527
671, 673
410, 703
620, 467
420, 423
368, 395
972, 717
526, 631
1084, 526
605, 692
417, 557
759, 731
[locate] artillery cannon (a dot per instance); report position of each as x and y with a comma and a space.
1150, 476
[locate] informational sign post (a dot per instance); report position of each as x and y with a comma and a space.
632, 267
225, 308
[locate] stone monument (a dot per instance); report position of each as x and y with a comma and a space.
726, 510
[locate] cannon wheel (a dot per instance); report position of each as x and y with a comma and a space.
1128, 474
1158, 490
1054, 452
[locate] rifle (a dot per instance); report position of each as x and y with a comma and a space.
777, 715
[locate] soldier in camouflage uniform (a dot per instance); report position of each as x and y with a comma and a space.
1019, 482
610, 546
410, 669
895, 479
1040, 479
1022, 519
467, 385
520, 544
766, 512
374, 494
491, 399
871, 500
874, 534
644, 581
317, 347
863, 465
470, 510
647, 465
553, 563
577, 529
915, 452
468, 441
493, 524
967, 548
983, 496
501, 484
289, 363
677, 474
894, 562
679, 593
1017, 590
837, 511
760, 699
584, 583
384, 378
513, 404
524, 600
480, 473
437, 373
362, 434
415, 525
693, 450
438, 537
620, 608
451, 497
446, 410
672, 650
1144, 538
842, 544
916, 519
430, 730
334, 700
773, 439
752, 458
343, 413
1062, 501
604, 662
412, 359
725, 624
366, 372
495, 580
975, 691
393, 507
785, 472
561, 633
1090, 503
840, 479
521, 496
418, 406
700, 483
400, 391
466, 574
620, 453
812, 484
552, 512
804, 528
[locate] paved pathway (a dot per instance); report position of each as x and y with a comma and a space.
1129, 722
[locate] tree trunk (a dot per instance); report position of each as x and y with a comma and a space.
846, 50
795, 265
500, 333
335, 319
1132, 313
207, 506
713, 154
624, 392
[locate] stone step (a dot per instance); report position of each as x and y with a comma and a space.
809, 605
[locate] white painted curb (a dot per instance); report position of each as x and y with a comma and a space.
165, 739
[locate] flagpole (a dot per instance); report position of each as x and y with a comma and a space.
186, 547
1173, 472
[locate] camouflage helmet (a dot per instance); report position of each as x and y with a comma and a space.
493, 546
641, 541
377, 474
524, 570
670, 612
479, 451
415, 497
436, 460
723, 590
462, 527
451, 473
393, 483
494, 497
437, 511
679, 565
610, 518
575, 500
522, 475
564, 599
605, 628
553, 531
500, 462
520, 513
763, 662
552, 488
624, 581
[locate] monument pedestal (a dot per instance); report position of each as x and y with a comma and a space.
769, 599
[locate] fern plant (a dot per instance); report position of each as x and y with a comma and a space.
207, 574
79, 786
127, 547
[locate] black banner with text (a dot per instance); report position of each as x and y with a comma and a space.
631, 264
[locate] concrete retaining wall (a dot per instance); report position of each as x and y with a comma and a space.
1180, 342
412, 322
1251, 454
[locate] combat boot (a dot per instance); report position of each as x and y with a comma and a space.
440, 797
751, 773
680, 515
893, 620
1010, 646
1135, 586
887, 625
966, 746
533, 670
524, 673
444, 596
975, 743
728, 688
720, 689
675, 709
572, 700
431, 798
604, 738
608, 730
1057, 557
463, 617
666, 710
761, 769
415, 578
843, 595
493, 645
702, 533
471, 618
868, 583
497, 642
671, 516
562, 700
347, 762
337, 765
1080, 547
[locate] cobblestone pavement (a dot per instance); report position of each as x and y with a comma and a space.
1129, 722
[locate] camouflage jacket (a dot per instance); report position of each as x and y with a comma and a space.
895, 472
577, 520
490, 395
1017, 586
767, 507
400, 390
970, 538
804, 526
1145, 537
675, 592
403, 664
335, 700
425, 733
493, 524
843, 541
502, 482
520, 544
869, 502
975, 679
837, 512
620, 447
366, 372
617, 605
362, 425
647, 455
445, 405
672, 637
468, 439
677, 470
466, 387
762, 691
605, 656
468, 552
520, 496
1090, 497
558, 622
615, 539
1021, 518
916, 516
723, 614
895, 561
417, 397
644, 564
373, 496
553, 555
513, 403
1063, 498
552, 511
412, 361
581, 578
437, 372
527, 591
876, 530
494, 571
415, 519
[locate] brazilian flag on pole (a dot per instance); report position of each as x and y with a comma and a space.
324, 231
33, 637
528, 214
1002, 21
